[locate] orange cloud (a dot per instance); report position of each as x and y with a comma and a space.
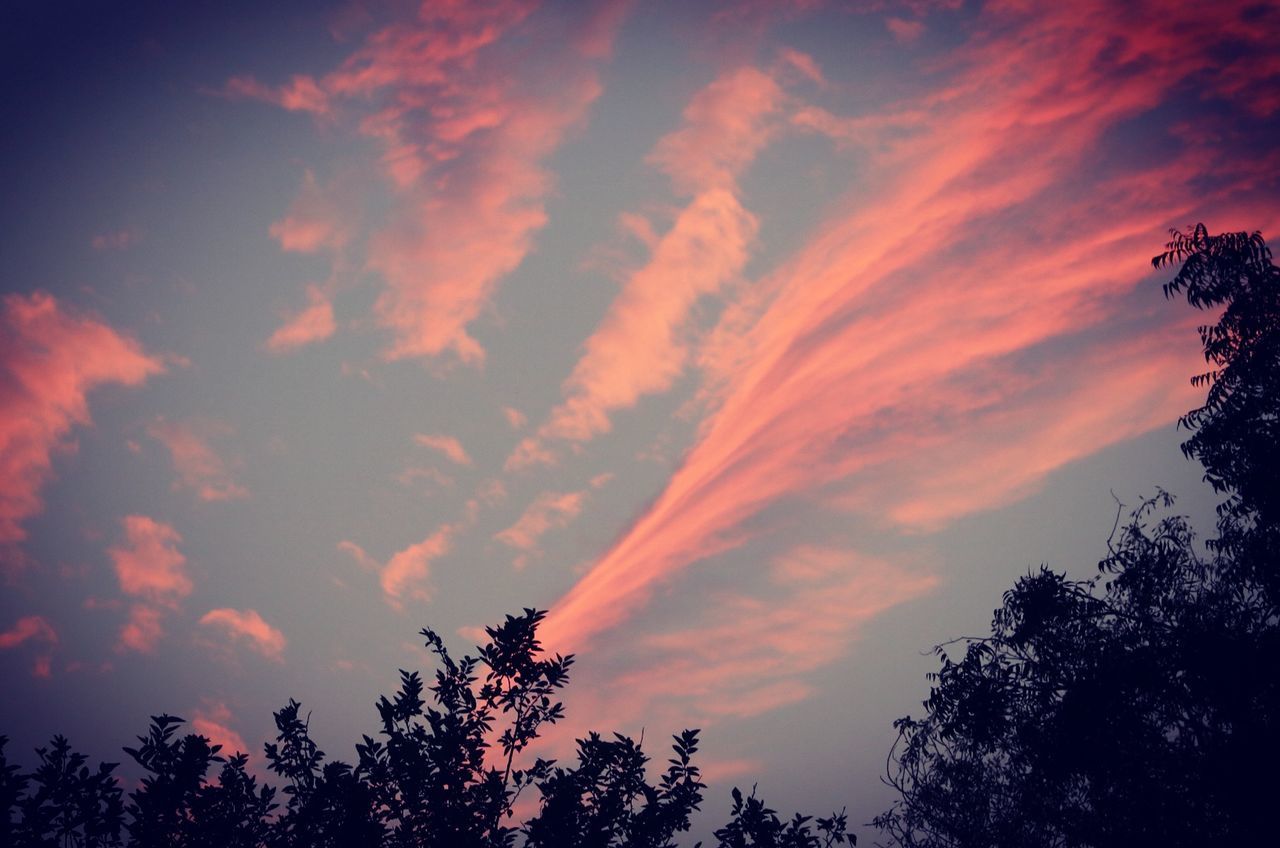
926, 308
150, 567
445, 445
199, 467
32, 628
249, 627
50, 358
313, 324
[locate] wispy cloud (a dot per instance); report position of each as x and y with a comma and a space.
199, 468
313, 324
641, 346
550, 510
34, 629
464, 121
929, 302
51, 358
213, 721
247, 627
150, 568
447, 446
407, 574
117, 240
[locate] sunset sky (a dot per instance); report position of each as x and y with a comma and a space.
763, 343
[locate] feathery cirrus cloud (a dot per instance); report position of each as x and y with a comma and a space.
905, 309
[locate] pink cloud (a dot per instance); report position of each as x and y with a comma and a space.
408, 573
905, 30
143, 630
550, 510
744, 653
313, 324
300, 94
248, 627
641, 345
35, 629
515, 418
199, 467
213, 721
50, 358
464, 120
149, 567
315, 221
447, 446
923, 311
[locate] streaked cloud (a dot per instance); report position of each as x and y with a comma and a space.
641, 346
51, 357
247, 627
903, 315
199, 468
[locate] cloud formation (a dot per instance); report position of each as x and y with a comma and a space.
199, 468
407, 574
463, 136
313, 324
50, 359
447, 446
37, 630
550, 510
213, 721
925, 310
151, 569
641, 346
249, 628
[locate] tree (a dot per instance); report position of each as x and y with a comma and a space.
1139, 707
1236, 433
442, 772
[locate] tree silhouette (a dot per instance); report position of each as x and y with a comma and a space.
1140, 707
1236, 434
442, 772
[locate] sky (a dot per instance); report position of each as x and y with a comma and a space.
764, 344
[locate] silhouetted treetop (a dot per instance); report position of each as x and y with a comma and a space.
442, 771
1236, 433
1139, 707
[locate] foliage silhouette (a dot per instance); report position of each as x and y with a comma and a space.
442, 772
1237, 432
1140, 707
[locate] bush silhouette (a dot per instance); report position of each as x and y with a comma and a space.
1140, 707
442, 772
